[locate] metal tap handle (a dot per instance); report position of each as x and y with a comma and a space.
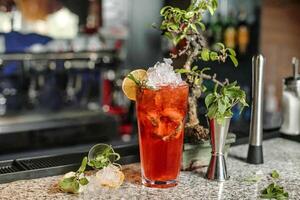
295, 62
255, 154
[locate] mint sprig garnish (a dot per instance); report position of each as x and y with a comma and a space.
136, 81
220, 102
102, 158
72, 184
140, 84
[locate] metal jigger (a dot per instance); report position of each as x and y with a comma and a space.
217, 166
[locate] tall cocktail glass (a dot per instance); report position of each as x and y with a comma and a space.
161, 117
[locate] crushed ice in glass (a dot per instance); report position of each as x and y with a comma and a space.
163, 74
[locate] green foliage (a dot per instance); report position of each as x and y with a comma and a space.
194, 77
187, 24
72, 184
83, 181
253, 179
177, 24
275, 174
220, 55
220, 102
83, 165
104, 158
205, 54
274, 191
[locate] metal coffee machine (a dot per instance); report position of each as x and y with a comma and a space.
291, 102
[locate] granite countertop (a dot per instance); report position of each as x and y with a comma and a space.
280, 154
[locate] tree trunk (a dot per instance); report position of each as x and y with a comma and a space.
192, 111
194, 132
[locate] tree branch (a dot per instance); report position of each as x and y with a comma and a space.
213, 79
194, 53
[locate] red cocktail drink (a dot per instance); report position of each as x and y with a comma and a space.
161, 116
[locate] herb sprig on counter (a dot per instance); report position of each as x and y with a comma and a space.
273, 190
275, 174
73, 180
253, 179
106, 156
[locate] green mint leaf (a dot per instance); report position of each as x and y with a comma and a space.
231, 52
189, 14
205, 54
266, 196
76, 186
164, 9
214, 4
221, 45
69, 185
83, 181
234, 60
214, 56
201, 25
203, 88
194, 28
274, 191
103, 156
174, 27
182, 71
221, 106
83, 165
210, 9
194, 68
177, 39
220, 102
212, 110
275, 174
168, 35
197, 81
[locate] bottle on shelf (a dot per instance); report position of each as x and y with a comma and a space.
216, 27
243, 32
93, 19
230, 31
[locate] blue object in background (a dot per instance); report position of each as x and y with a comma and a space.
16, 42
51, 97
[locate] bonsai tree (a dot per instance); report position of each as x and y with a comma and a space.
186, 26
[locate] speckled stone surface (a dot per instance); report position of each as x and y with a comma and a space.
280, 154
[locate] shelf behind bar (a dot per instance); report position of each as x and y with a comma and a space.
105, 53
38, 121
